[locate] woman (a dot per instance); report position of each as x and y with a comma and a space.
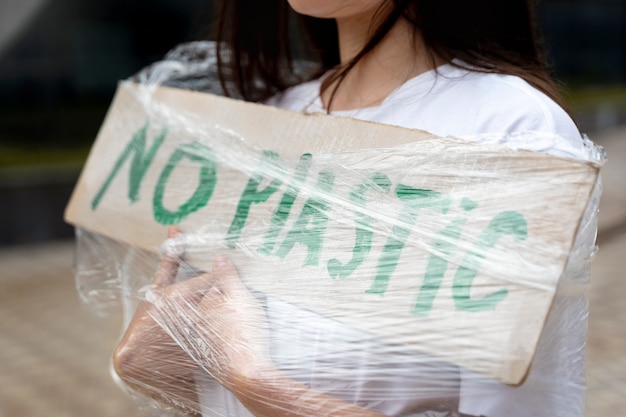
466, 69
378, 46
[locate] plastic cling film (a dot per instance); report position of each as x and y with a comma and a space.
270, 263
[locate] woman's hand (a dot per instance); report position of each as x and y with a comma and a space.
209, 324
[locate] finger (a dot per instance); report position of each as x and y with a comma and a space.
225, 275
170, 262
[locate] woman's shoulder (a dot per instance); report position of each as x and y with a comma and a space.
477, 105
506, 102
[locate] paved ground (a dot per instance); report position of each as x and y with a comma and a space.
607, 335
54, 352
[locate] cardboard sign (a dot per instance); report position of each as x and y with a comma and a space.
451, 247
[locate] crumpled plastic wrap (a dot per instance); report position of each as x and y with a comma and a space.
202, 342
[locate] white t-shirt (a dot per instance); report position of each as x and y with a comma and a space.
448, 102
463, 104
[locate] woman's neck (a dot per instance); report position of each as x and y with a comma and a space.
397, 58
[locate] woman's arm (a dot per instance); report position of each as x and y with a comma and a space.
275, 395
272, 394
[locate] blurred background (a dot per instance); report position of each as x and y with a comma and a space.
59, 64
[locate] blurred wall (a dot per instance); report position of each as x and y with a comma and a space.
76, 51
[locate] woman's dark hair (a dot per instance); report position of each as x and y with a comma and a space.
256, 52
